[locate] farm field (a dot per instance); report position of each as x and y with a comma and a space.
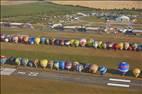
104, 4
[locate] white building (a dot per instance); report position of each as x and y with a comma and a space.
123, 19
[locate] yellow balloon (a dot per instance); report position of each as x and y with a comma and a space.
37, 40
44, 63
136, 72
93, 68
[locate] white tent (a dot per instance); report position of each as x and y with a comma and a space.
123, 19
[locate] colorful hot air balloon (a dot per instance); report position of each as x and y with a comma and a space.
2, 37
15, 39
90, 42
36, 63
126, 45
31, 40
62, 65
83, 42
134, 46
24, 61
50, 64
79, 68
11, 60
102, 70
86, 67
43, 63
56, 65
93, 68
67, 42
30, 63
100, 44
76, 43
3, 59
68, 65
47, 41
74, 64
18, 61
26, 39
37, 40
123, 67
72, 42
43, 40
136, 72
96, 44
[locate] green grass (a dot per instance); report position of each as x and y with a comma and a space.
34, 11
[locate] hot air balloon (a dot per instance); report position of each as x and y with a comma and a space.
90, 42
43, 40
96, 44
30, 63
6, 40
52, 41
79, 67
62, 43
47, 41
18, 61
126, 45
102, 70
74, 64
62, 65
136, 72
43, 63
20, 38
139, 47
56, 65
67, 42
93, 68
57, 42
31, 40
135, 46
100, 44
26, 39
83, 42
15, 39
2, 37
37, 40
24, 61
50, 64
11, 60
123, 67
72, 42
76, 43
36, 63
68, 65
121, 45
104, 45
86, 67
3, 59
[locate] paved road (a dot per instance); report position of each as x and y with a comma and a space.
77, 78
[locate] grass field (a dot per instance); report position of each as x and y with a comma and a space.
37, 86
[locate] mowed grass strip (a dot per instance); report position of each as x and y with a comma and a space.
75, 35
110, 58
38, 86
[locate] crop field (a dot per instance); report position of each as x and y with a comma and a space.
104, 4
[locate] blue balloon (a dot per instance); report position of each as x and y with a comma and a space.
123, 67
62, 65
30, 63
79, 67
31, 40
3, 60
43, 40
102, 70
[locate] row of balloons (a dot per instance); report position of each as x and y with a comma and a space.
71, 42
123, 67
